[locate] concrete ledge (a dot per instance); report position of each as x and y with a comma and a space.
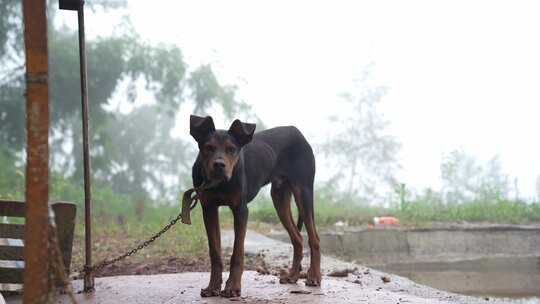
390, 246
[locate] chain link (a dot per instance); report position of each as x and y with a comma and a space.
144, 244
193, 199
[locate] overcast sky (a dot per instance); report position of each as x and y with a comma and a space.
462, 74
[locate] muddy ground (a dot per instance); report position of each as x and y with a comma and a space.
172, 264
343, 282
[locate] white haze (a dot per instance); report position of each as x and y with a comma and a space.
462, 74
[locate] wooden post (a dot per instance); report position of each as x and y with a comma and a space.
37, 152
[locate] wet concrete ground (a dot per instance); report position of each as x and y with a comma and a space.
363, 286
475, 259
185, 287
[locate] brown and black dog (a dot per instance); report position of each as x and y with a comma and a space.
239, 163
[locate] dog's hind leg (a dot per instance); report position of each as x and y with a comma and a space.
303, 195
281, 196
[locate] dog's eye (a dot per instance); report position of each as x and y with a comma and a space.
230, 150
209, 149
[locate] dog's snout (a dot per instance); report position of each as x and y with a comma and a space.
219, 164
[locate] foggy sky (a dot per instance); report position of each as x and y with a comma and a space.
462, 74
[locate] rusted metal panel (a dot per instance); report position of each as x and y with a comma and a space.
37, 152
64, 216
12, 208
12, 231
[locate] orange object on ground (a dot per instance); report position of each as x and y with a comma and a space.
385, 220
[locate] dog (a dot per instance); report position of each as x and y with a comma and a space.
239, 163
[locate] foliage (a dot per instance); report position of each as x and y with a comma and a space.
363, 155
418, 212
144, 138
131, 149
11, 176
417, 209
464, 179
135, 159
504, 211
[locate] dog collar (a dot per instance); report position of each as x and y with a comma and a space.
191, 197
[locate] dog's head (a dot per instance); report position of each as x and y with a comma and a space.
219, 150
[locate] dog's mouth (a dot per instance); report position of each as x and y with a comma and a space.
219, 176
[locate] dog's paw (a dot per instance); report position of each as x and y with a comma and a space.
289, 277
230, 293
209, 292
288, 280
313, 282
313, 278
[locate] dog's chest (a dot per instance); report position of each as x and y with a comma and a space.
221, 199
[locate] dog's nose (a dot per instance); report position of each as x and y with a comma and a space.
219, 164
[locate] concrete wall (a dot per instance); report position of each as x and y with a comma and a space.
385, 246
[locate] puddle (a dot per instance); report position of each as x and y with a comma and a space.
516, 279
494, 262
523, 301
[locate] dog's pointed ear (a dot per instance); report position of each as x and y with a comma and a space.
242, 132
200, 127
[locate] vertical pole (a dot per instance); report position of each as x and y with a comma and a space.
37, 153
88, 276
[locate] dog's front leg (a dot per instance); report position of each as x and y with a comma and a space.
211, 223
233, 285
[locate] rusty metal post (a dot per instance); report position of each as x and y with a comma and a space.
88, 276
78, 5
37, 152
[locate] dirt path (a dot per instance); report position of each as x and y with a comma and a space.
363, 285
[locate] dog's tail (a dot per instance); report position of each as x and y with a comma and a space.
300, 222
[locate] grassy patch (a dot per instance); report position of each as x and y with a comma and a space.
413, 213
113, 237
500, 211
122, 221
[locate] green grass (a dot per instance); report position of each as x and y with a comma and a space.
497, 211
113, 236
122, 221
415, 212
326, 213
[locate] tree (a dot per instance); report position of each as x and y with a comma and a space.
363, 155
134, 150
63, 66
145, 158
112, 61
11, 76
464, 179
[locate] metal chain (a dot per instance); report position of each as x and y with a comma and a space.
193, 199
144, 244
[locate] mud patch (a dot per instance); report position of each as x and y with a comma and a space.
173, 264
